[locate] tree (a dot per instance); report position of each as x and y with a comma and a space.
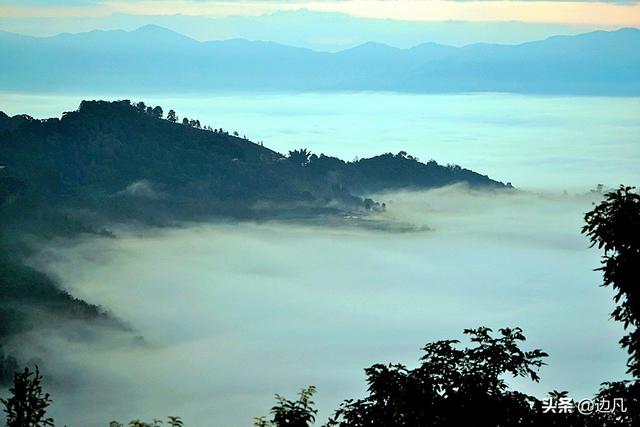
157, 112
300, 157
291, 413
185, 121
27, 407
629, 391
141, 107
171, 116
175, 421
451, 387
614, 225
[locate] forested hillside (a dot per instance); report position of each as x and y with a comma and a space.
124, 161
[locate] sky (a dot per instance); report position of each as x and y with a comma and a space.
611, 12
310, 23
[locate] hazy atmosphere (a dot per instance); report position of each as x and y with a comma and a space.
207, 203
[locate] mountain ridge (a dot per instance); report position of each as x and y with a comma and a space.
155, 59
156, 29
92, 156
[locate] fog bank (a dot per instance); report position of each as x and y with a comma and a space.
234, 312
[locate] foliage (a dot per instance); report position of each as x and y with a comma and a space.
291, 413
175, 421
630, 392
157, 112
614, 225
299, 157
451, 387
28, 404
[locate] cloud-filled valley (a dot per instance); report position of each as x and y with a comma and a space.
233, 312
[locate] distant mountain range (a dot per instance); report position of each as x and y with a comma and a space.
154, 59
318, 30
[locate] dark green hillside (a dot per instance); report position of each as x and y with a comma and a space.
401, 171
29, 296
124, 161
97, 152
29, 299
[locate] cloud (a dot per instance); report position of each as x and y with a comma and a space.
234, 312
144, 189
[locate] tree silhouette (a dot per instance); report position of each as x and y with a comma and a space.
630, 392
451, 387
27, 407
157, 112
175, 421
291, 413
300, 157
614, 225
171, 116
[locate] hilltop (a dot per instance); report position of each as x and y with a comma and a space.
125, 162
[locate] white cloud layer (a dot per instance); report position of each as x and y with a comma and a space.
233, 313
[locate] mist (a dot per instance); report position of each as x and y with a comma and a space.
225, 314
